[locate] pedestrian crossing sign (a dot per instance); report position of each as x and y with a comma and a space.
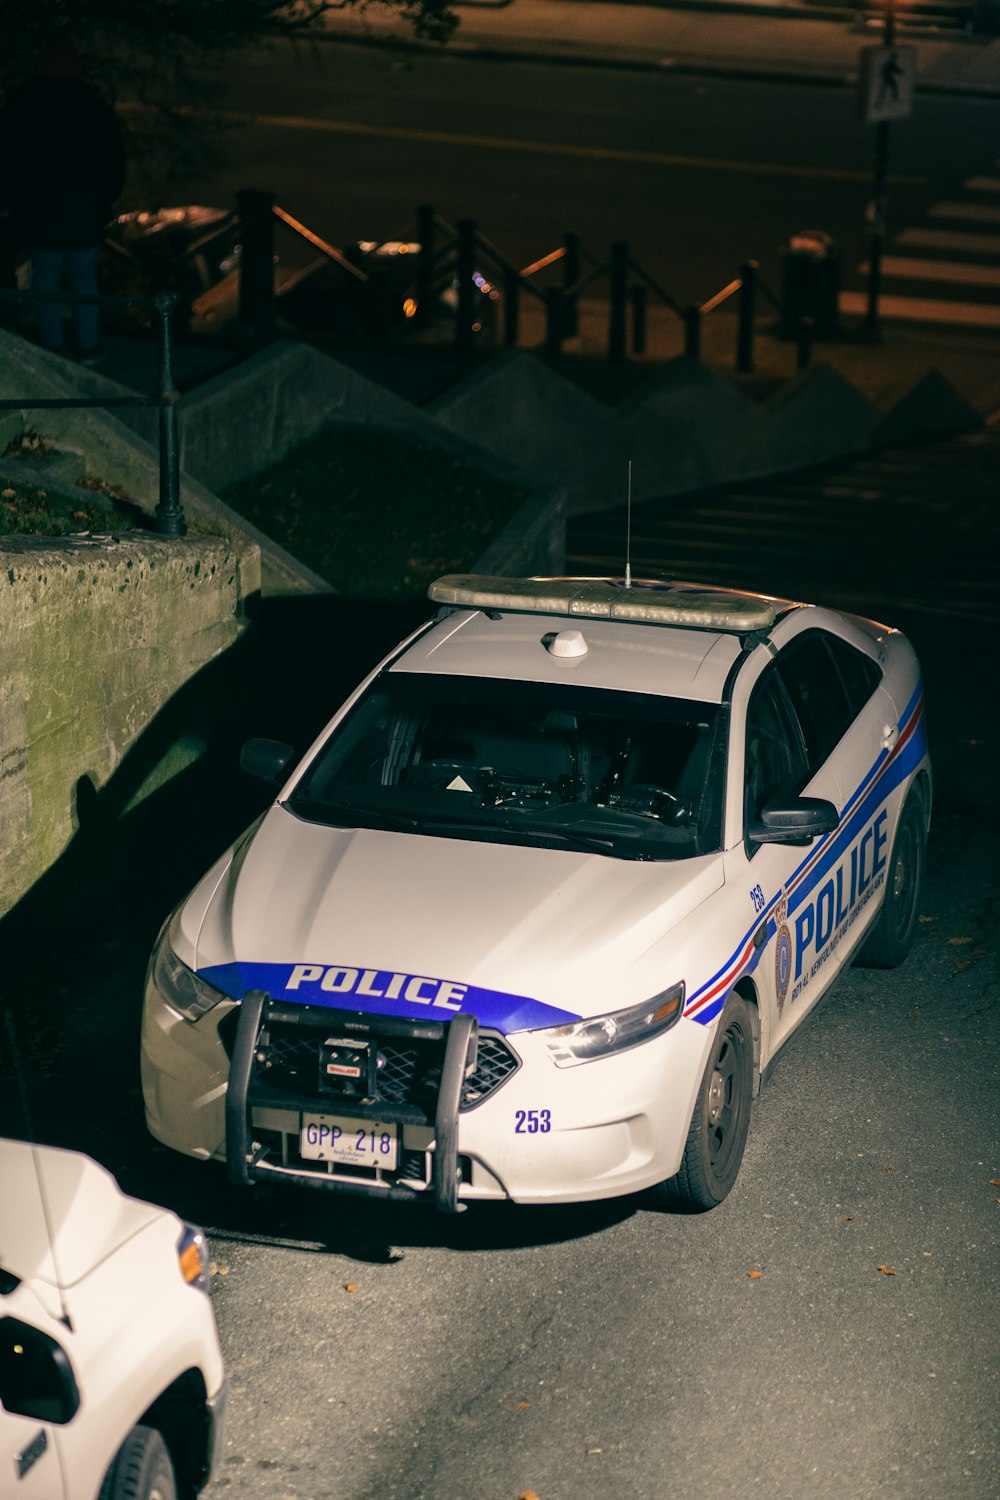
887, 76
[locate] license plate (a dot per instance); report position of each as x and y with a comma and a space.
351, 1143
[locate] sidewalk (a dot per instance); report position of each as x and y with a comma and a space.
766, 39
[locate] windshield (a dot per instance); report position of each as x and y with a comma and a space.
625, 774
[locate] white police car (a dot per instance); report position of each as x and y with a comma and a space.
539, 909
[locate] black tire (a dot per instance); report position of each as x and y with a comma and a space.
891, 937
141, 1469
720, 1121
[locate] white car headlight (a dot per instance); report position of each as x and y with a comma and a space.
619, 1029
176, 984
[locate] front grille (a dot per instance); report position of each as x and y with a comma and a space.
408, 1074
495, 1062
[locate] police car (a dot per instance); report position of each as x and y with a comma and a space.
537, 913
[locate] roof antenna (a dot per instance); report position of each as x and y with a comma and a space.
39, 1178
628, 530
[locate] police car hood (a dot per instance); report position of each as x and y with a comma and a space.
419, 926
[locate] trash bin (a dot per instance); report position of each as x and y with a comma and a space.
812, 283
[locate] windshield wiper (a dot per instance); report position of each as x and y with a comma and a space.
493, 828
353, 815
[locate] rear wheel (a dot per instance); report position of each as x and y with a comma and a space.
141, 1469
720, 1121
891, 938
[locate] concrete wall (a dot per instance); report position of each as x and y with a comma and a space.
97, 637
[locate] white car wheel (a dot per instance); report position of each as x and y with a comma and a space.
141, 1469
720, 1121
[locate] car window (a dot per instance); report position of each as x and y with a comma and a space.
810, 674
631, 774
775, 764
859, 674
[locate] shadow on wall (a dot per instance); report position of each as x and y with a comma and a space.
74, 949
178, 795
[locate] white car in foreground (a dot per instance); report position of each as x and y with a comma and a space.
537, 912
111, 1378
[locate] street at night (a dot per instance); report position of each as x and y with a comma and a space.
828, 1331
695, 173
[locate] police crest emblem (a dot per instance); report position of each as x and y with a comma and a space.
782, 953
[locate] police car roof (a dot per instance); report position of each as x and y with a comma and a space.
592, 632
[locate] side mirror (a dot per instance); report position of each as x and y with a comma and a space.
36, 1377
268, 760
798, 821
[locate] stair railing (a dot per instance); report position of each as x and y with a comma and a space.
169, 515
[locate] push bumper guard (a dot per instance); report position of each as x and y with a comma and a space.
247, 1161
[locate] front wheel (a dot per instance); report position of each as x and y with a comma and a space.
891, 937
141, 1469
721, 1119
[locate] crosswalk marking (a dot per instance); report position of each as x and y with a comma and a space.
961, 274
924, 310
960, 240
982, 213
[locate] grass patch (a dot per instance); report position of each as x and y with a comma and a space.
377, 513
31, 510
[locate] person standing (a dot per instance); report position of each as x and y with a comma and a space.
62, 166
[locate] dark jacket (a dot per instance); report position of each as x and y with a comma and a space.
62, 163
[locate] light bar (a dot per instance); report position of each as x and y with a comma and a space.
647, 601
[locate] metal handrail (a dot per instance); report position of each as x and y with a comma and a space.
169, 515
330, 251
656, 289
501, 262
733, 287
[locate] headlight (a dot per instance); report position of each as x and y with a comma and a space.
620, 1029
178, 985
193, 1258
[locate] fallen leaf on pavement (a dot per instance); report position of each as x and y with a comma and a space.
887, 1271
528, 1495
350, 1286
958, 942
995, 1182
755, 1275
848, 1218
